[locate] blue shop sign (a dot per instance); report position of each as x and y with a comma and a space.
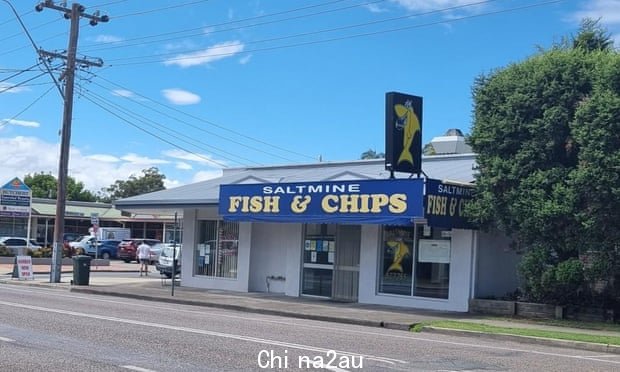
444, 204
388, 202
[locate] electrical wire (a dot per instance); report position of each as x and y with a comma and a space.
314, 42
177, 134
99, 46
34, 45
238, 134
160, 9
19, 73
7, 88
7, 121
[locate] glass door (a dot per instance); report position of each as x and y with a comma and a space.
318, 260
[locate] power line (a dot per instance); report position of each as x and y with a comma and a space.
19, 73
204, 130
34, 45
7, 88
100, 47
313, 42
176, 134
7, 121
159, 9
208, 122
113, 113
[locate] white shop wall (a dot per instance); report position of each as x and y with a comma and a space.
276, 251
240, 284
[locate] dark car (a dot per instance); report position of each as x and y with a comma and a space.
128, 247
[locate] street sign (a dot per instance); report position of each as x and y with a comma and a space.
15, 199
94, 219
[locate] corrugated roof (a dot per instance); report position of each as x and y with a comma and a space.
45, 207
459, 168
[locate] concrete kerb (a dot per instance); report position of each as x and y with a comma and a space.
588, 346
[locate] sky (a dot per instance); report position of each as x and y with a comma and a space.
193, 87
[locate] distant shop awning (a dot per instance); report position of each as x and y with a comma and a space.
385, 202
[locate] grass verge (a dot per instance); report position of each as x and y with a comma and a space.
480, 327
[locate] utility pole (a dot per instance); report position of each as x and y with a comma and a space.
74, 14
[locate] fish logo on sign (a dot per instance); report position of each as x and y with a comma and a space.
408, 122
403, 133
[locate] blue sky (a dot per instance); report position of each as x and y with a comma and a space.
192, 87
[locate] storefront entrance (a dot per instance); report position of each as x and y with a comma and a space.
331, 261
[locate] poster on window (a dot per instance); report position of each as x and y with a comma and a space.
435, 251
397, 266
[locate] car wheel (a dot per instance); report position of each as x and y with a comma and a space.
105, 255
168, 275
127, 261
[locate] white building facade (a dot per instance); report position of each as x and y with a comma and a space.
393, 252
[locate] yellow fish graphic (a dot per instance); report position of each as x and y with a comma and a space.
401, 250
411, 127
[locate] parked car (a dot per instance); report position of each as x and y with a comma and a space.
105, 249
84, 244
127, 248
19, 245
164, 266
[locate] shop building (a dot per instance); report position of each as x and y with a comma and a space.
343, 230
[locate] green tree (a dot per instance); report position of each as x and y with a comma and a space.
45, 185
372, 154
150, 180
546, 132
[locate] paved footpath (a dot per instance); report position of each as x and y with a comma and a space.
154, 288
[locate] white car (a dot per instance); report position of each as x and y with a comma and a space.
19, 245
85, 242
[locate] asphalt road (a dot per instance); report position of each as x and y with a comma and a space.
46, 329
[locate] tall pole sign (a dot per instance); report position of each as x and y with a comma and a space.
403, 133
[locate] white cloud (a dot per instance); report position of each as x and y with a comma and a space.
123, 93
180, 97
213, 53
183, 165
142, 160
429, 5
108, 39
6, 87
374, 8
21, 123
245, 59
21, 155
206, 175
194, 157
104, 158
607, 10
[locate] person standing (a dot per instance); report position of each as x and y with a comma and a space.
144, 256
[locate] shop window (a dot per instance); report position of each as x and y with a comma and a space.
216, 252
396, 263
418, 267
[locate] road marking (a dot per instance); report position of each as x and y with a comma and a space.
6, 339
333, 328
140, 369
211, 333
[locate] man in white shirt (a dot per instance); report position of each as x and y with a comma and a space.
144, 256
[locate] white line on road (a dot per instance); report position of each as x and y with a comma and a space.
6, 339
334, 328
140, 369
211, 333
